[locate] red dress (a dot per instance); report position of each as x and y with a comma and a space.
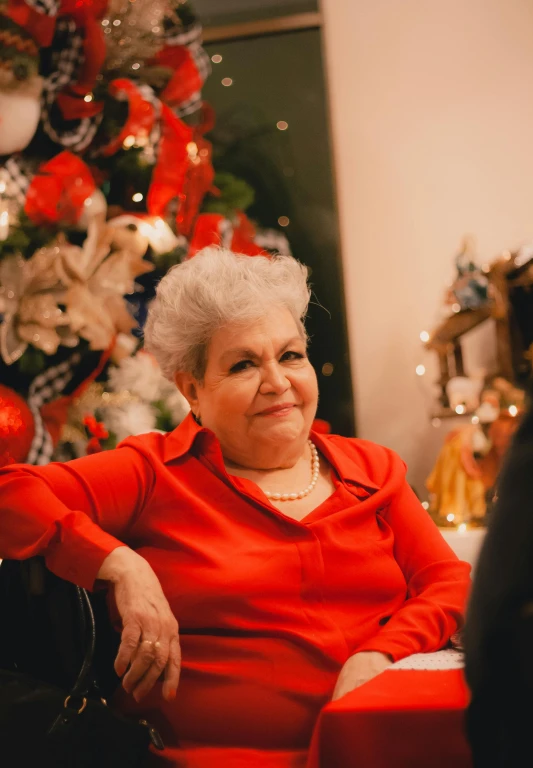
269, 608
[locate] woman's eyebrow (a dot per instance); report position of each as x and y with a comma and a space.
244, 352
239, 352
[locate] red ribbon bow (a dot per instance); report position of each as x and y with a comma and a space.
169, 173
199, 174
185, 80
58, 191
39, 26
243, 237
209, 230
141, 113
87, 15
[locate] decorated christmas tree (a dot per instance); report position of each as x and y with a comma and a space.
106, 182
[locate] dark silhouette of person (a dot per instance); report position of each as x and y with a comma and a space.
498, 636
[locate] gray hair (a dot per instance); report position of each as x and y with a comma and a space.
215, 288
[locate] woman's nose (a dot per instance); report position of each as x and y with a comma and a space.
274, 380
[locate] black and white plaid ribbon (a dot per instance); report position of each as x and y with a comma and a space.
44, 388
190, 37
203, 65
17, 173
46, 7
183, 34
66, 58
149, 95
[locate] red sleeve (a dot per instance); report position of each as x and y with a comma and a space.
437, 581
74, 514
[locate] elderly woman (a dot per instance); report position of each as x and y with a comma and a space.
297, 565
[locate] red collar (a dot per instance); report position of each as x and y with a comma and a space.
181, 440
189, 435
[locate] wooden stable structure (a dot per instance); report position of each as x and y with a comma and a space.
513, 342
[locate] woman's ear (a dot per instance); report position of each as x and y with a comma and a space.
188, 386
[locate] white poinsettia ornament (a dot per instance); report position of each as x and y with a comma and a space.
134, 418
140, 377
135, 399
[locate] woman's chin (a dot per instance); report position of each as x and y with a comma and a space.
283, 430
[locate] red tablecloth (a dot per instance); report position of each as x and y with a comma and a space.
401, 719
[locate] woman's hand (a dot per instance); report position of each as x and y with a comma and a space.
360, 668
150, 642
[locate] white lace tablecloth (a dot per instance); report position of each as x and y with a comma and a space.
447, 659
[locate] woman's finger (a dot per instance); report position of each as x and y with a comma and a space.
159, 662
172, 671
129, 643
141, 663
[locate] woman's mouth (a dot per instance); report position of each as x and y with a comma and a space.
283, 409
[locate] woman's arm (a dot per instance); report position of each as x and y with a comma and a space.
74, 514
437, 581
150, 643
437, 586
77, 515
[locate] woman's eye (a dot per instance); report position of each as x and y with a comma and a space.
292, 356
242, 365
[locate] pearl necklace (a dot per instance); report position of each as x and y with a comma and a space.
315, 470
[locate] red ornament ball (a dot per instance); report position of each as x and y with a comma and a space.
16, 427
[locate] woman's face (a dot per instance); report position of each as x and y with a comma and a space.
259, 394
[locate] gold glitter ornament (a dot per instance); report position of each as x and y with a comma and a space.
133, 32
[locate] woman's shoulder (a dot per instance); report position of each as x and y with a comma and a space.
379, 463
152, 445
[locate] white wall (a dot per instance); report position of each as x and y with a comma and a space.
432, 120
